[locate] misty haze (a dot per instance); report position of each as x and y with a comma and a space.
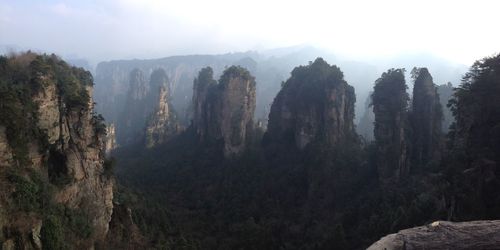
128, 124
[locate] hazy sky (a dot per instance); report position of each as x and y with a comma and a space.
461, 31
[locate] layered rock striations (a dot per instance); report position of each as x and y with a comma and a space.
110, 141
223, 111
314, 105
147, 115
161, 125
50, 139
425, 119
390, 104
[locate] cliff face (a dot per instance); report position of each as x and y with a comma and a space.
425, 117
314, 105
445, 92
110, 141
161, 124
390, 102
203, 90
135, 110
147, 115
365, 126
54, 142
223, 112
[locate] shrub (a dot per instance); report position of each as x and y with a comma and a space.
52, 233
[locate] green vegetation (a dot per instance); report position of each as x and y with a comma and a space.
52, 233
186, 196
109, 165
22, 77
29, 193
233, 71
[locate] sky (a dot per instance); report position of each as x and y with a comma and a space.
459, 31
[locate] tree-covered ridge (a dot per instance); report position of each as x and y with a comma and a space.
32, 70
205, 77
473, 160
236, 71
391, 84
317, 75
476, 107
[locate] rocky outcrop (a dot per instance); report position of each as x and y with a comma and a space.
203, 90
445, 92
314, 105
77, 155
56, 143
147, 115
444, 235
161, 125
223, 112
110, 141
135, 111
113, 79
365, 125
425, 120
390, 102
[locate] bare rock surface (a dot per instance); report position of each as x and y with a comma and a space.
444, 235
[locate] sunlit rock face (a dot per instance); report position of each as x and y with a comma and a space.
110, 141
223, 111
161, 124
314, 105
390, 103
55, 148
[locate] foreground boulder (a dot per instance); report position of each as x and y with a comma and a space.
444, 235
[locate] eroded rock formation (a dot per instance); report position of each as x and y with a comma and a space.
315, 105
147, 114
390, 103
49, 137
161, 124
425, 120
223, 112
110, 142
